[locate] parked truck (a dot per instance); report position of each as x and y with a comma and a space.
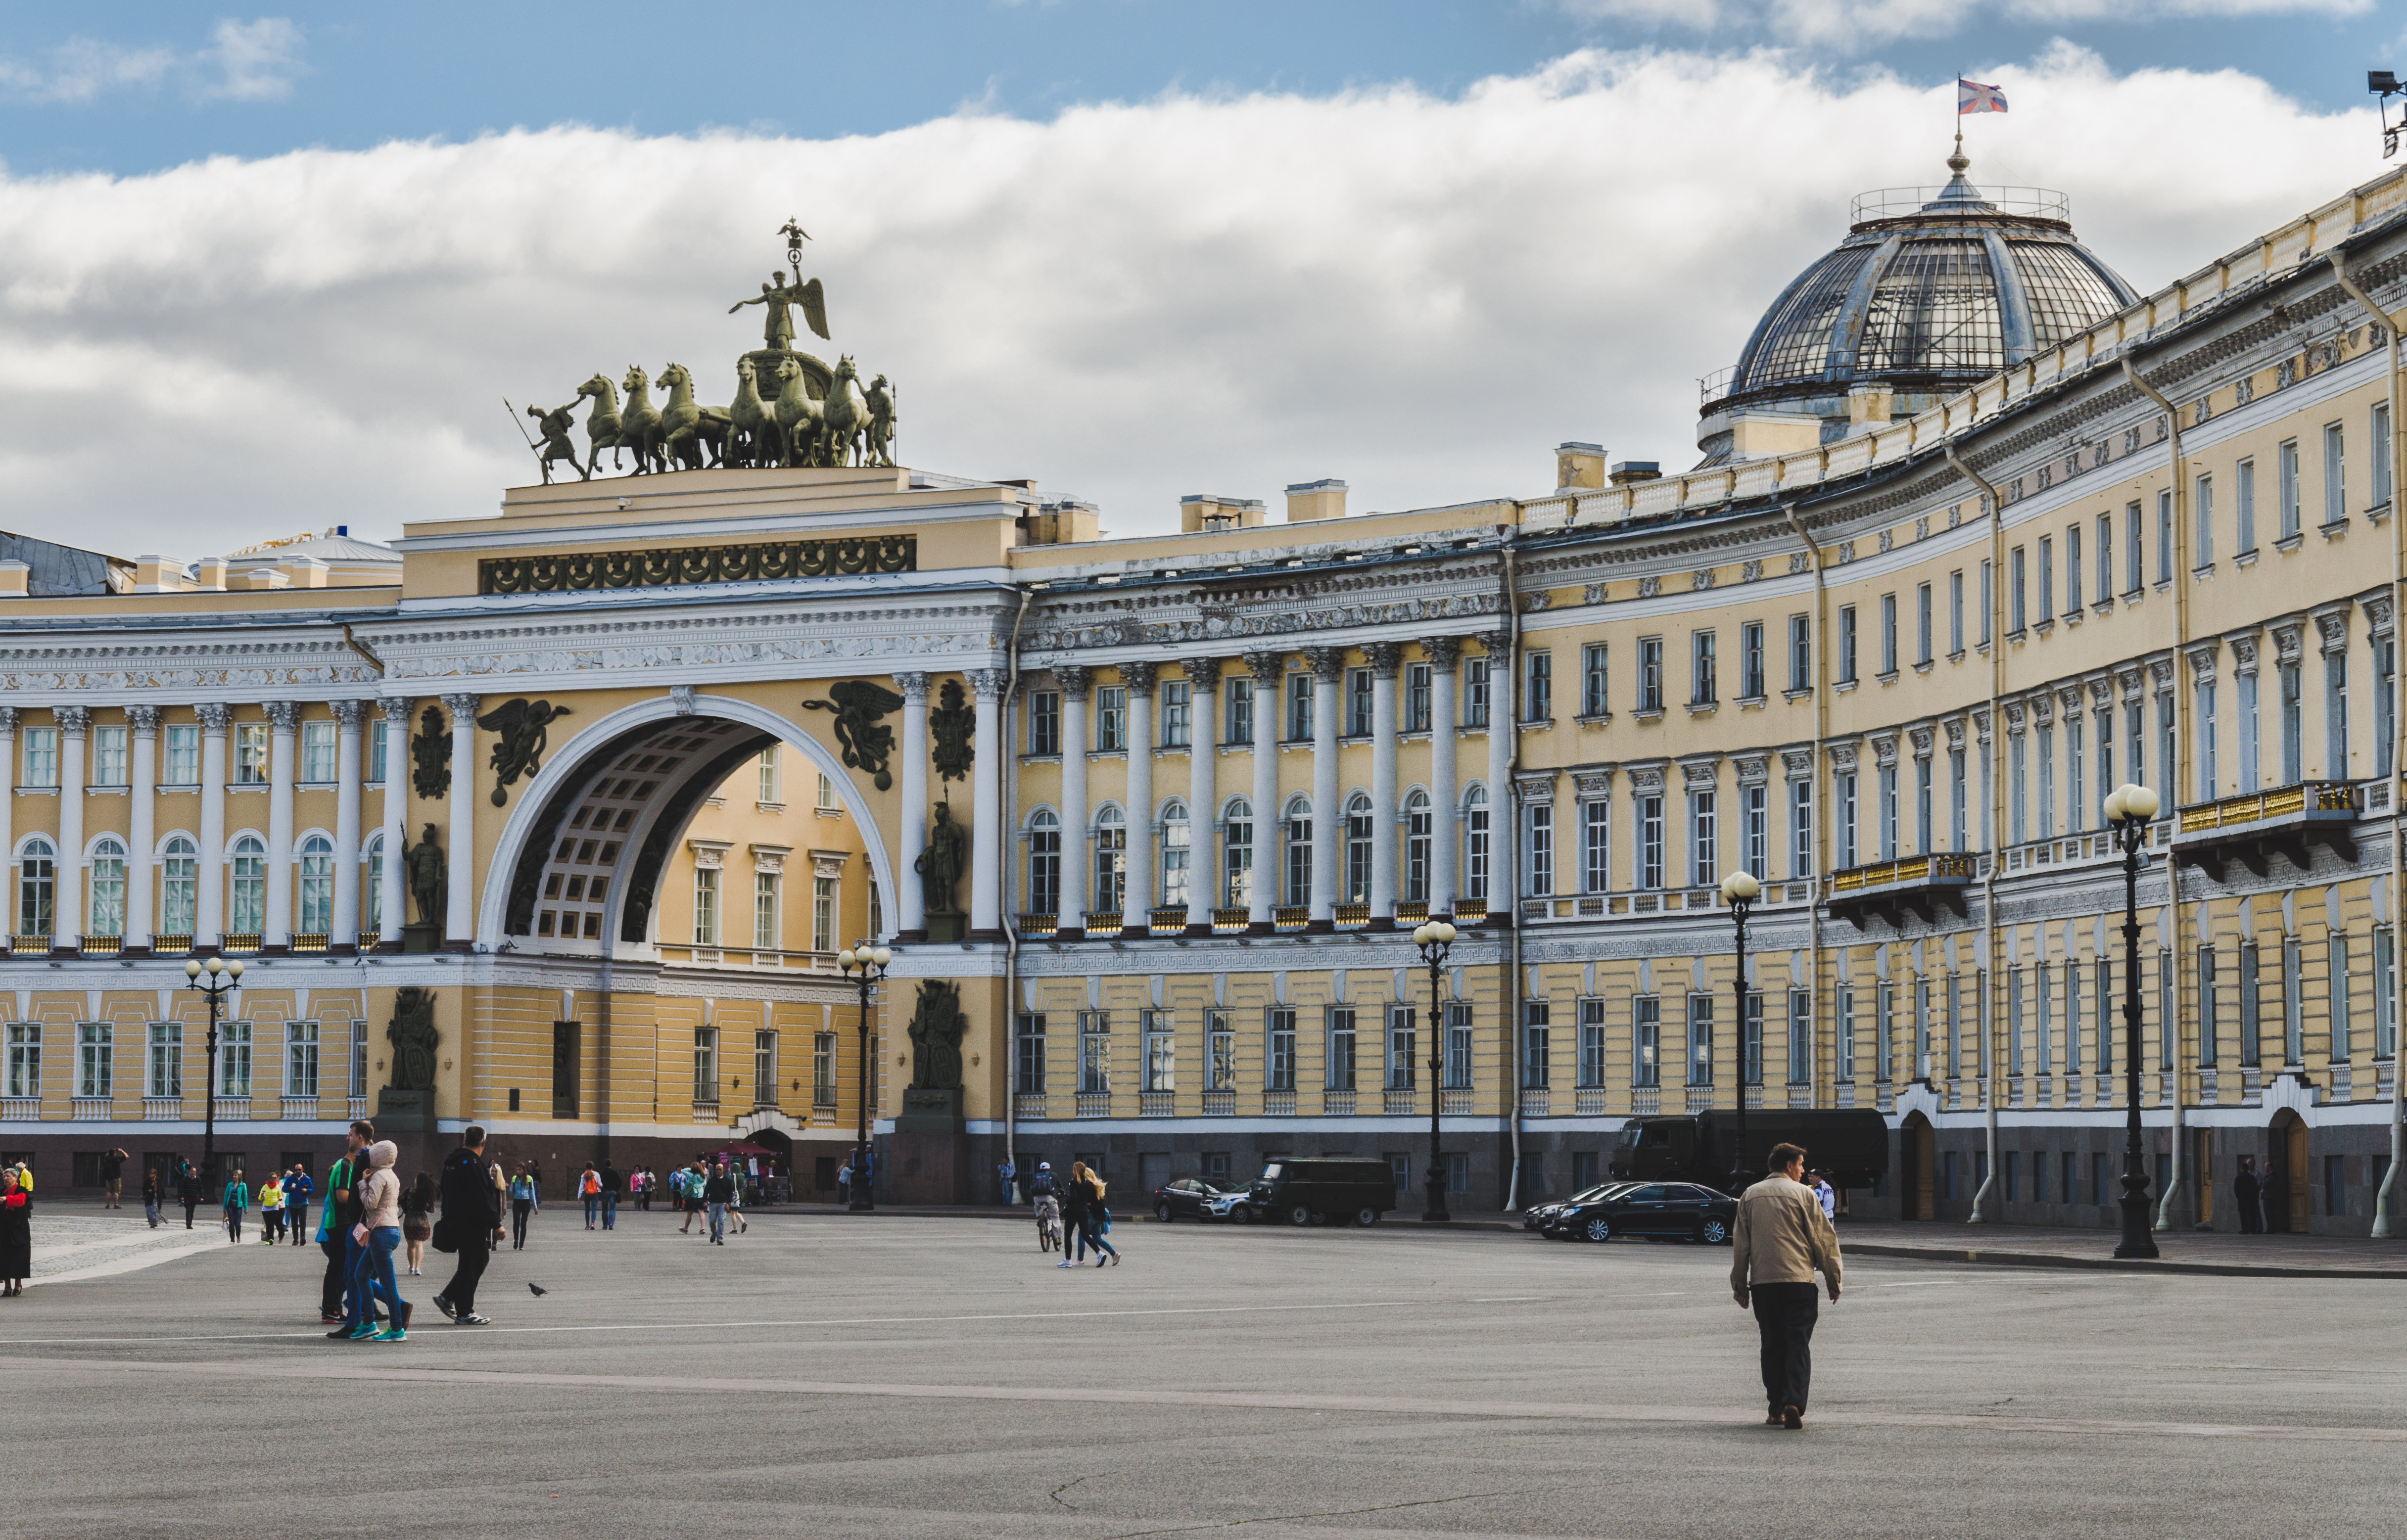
1850, 1146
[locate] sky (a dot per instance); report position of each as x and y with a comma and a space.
267, 271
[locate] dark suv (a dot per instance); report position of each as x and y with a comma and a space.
1327, 1190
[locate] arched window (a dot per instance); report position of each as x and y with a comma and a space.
1417, 848
1237, 854
1358, 849
246, 886
108, 906
1044, 863
317, 885
180, 886
1111, 860
373, 903
1178, 843
37, 889
1474, 844
1299, 852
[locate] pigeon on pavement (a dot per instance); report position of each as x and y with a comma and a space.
537, 1290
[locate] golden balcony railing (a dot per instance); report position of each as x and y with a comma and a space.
1920, 884
1352, 914
2255, 826
1170, 917
1225, 921
1039, 924
1104, 921
1291, 916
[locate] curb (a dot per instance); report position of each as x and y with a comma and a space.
2111, 1264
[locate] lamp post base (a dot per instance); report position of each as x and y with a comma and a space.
861, 1203
1435, 1213
2138, 1241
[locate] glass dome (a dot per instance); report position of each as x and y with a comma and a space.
1931, 291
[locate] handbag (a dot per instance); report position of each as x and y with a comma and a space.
445, 1238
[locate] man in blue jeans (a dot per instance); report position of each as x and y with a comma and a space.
717, 1193
345, 1296
612, 1185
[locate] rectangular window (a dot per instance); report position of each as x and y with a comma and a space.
1704, 844
2072, 569
1800, 1037
2046, 578
1278, 1050
2016, 614
1591, 1043
1240, 712
1459, 1046
2335, 476
2134, 542
1418, 685
165, 1068
109, 757
827, 802
1028, 1061
1592, 696
2243, 505
1178, 713
1801, 653
823, 1061
2246, 686
2165, 737
1403, 1048
2381, 440
2017, 822
1538, 840
1646, 1032
250, 753
2385, 996
2336, 713
1750, 660
765, 1069
1888, 812
2206, 774
1537, 1046
1843, 1030
823, 912
705, 906
1358, 703
1221, 1051
1596, 841
1650, 841
1158, 1046
41, 756
1956, 613
2202, 509
2046, 782
318, 753
1885, 1031
2075, 804
1922, 623
1700, 1039
1095, 1053
705, 1069
1111, 719
1751, 1042
379, 737
2336, 965
1846, 644
1704, 685
2294, 1027
765, 912
1650, 673
1922, 806
2286, 486
1988, 604
1538, 687
95, 1055
25, 1059
234, 1059
1889, 634
301, 1059
768, 785
2105, 590
1756, 808
2165, 536
183, 757
1957, 800
2386, 701
1475, 694
1844, 787
1044, 735
1298, 708
1800, 828
566, 1072
2208, 1009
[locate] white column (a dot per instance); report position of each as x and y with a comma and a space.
1137, 903
1503, 818
460, 907
209, 914
1203, 756
1270, 848
75, 722
283, 717
348, 715
1074, 682
1383, 658
8, 815
985, 806
396, 819
1328, 817
143, 823
1445, 838
914, 828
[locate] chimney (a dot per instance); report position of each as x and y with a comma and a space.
209, 573
1637, 470
1579, 466
301, 571
1869, 407
158, 575
13, 577
1205, 514
1310, 500
258, 578
1064, 523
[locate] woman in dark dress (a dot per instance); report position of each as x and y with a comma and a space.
15, 1235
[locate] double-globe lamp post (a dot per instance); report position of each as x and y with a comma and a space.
217, 978
2129, 808
1740, 890
1433, 938
865, 966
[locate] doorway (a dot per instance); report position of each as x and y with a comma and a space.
1153, 1172
1921, 1177
2286, 1174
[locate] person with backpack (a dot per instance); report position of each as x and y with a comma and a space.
472, 1222
297, 1188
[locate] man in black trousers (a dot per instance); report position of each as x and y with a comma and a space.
472, 1217
1782, 1236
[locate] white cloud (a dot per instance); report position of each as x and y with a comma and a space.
246, 62
1854, 25
1130, 302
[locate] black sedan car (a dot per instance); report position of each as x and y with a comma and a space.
1190, 1198
1546, 1219
1658, 1210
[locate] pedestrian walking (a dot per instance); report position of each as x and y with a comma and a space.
188, 1189
612, 1185
694, 1183
16, 1234
1003, 1175
719, 1190
153, 1192
271, 1208
844, 1182
2250, 1194
589, 1187
1825, 1195
341, 1304
237, 1202
526, 1201
297, 1188
417, 1219
472, 1225
1781, 1238
112, 1178
378, 1233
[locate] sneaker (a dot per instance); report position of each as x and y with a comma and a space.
396, 1334
340, 1333
471, 1318
1066, 1263
447, 1307
331, 1320
363, 1330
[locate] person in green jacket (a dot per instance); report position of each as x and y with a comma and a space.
238, 1199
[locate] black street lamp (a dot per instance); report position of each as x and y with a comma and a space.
865, 966
1433, 938
217, 978
1740, 890
2129, 808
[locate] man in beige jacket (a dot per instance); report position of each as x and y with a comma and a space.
1782, 1236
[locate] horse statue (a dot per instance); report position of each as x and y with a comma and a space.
640, 422
847, 415
603, 423
800, 419
752, 423
690, 434
881, 423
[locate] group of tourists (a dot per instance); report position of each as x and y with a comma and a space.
282, 1199
1073, 1215
369, 1217
709, 1190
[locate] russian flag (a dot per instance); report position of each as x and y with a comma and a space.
1973, 96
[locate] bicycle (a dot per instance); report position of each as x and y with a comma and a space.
1049, 1224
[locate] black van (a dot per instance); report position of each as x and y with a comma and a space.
1326, 1189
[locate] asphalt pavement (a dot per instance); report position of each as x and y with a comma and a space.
892, 1375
